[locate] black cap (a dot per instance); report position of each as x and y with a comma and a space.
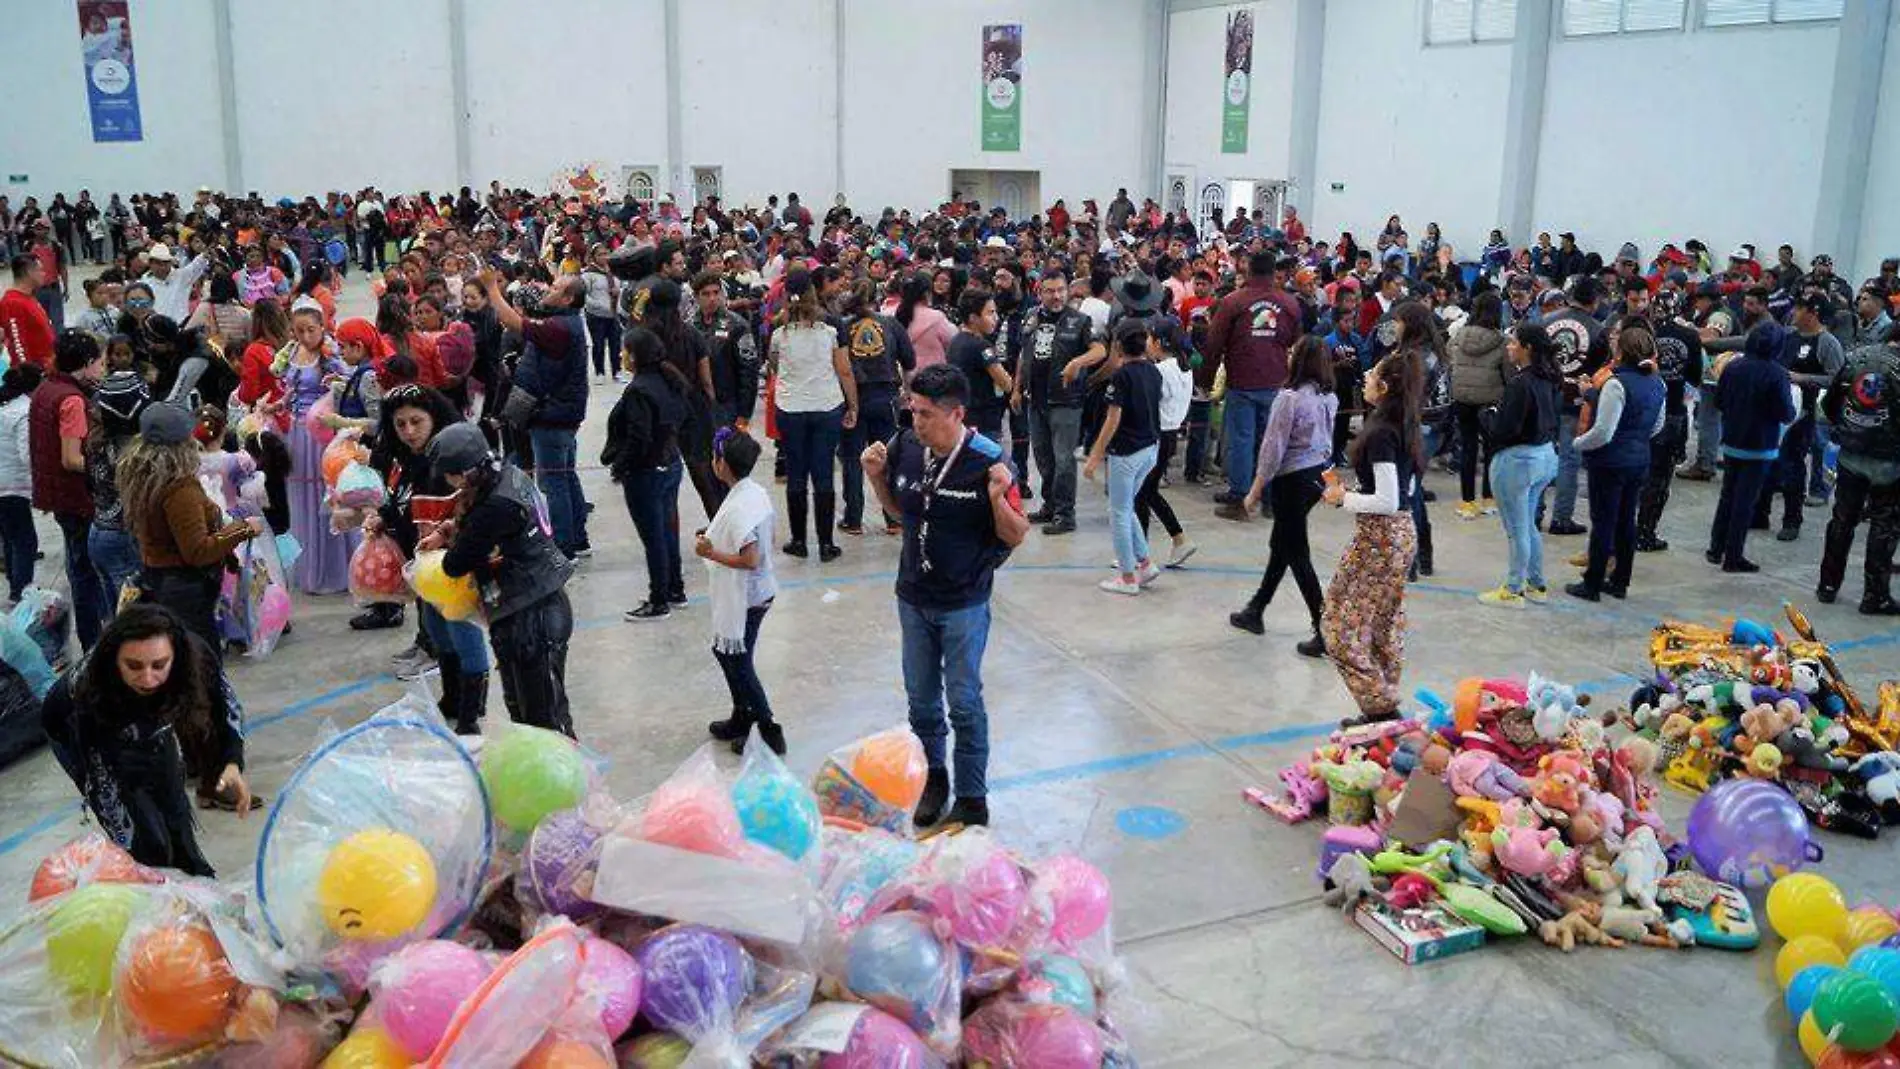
166, 424
1815, 301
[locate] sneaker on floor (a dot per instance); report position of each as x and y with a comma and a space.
1119, 585
1489, 506
1149, 573
1502, 598
1061, 525
1826, 595
1235, 511
582, 551
1566, 529
1537, 595
646, 613
1788, 533
829, 553
410, 668
1580, 560
856, 530
1247, 620
1694, 473
1181, 554
1651, 544
1228, 497
1314, 647
1583, 591
1713, 556
1468, 510
1741, 567
797, 549
1880, 607
677, 599
1040, 516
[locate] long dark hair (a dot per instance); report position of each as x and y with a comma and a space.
1487, 310
184, 702
1543, 364
393, 322
647, 351
915, 290
1403, 375
1310, 361
1420, 326
315, 273
442, 413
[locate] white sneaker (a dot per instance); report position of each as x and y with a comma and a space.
1181, 554
1119, 585
411, 664
1149, 573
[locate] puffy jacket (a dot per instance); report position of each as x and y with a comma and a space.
1477, 366
559, 381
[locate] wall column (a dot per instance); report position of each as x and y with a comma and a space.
1309, 50
1154, 139
837, 64
1524, 120
458, 80
675, 180
1859, 58
227, 98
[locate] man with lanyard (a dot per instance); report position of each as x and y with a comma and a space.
962, 517
1862, 407
1582, 348
551, 374
1679, 362
1052, 335
1813, 357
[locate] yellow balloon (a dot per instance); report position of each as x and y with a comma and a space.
377, 884
455, 599
1803, 951
1805, 904
367, 1048
1866, 926
1813, 1043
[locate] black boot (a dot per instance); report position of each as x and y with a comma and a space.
1249, 618
450, 704
1314, 647
796, 506
969, 812
734, 728
377, 617
1423, 562
773, 736
827, 510
936, 796
474, 703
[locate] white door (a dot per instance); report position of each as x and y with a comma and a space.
1270, 198
1012, 193
640, 181
1180, 189
1213, 199
706, 182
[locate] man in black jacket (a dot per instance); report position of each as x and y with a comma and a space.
1862, 406
733, 350
1053, 335
1679, 362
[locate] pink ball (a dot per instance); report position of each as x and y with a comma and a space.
879, 1041
693, 816
611, 977
1080, 895
983, 906
419, 989
1056, 1037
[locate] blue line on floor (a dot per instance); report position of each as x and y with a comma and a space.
1130, 762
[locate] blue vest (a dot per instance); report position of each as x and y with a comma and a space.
1643, 397
560, 382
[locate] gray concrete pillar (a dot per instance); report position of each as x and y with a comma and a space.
675, 180
1309, 50
227, 99
458, 80
1859, 59
1524, 119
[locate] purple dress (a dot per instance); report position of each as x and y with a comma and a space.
324, 565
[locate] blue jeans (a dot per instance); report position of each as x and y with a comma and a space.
1195, 457
1125, 476
89, 596
603, 340
810, 441
1821, 455
653, 496
1569, 462
1518, 477
460, 637
115, 554
1708, 428
556, 451
742, 674
1244, 422
943, 658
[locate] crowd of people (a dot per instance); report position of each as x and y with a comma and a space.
961, 361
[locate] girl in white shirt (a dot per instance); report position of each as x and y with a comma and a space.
17, 534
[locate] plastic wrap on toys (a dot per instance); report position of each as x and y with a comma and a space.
1078, 902
91, 858
561, 857
296, 1037
174, 988
25, 677
416, 991
223, 476
506, 1017
857, 867
970, 882
1009, 1032
905, 965
376, 572
531, 772
256, 598
380, 838
695, 980
873, 782
46, 618
56, 969
775, 809
848, 1035
456, 599
316, 420
358, 487
611, 983
345, 450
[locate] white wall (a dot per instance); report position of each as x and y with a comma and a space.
913, 90
46, 129
1408, 129
1637, 148
1880, 218
1197, 44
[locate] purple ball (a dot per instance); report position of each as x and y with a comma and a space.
562, 852
695, 980
1749, 833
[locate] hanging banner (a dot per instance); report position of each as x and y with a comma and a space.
1003, 88
1237, 87
112, 90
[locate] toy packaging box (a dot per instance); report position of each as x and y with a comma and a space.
1417, 935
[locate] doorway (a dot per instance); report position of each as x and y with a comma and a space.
1017, 192
706, 183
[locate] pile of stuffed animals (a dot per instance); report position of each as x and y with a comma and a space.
1743, 701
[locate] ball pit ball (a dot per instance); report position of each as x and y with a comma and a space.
1881, 963
1080, 894
985, 901
560, 859
426, 982
656, 1050
693, 816
1841, 1058
895, 962
531, 772
1748, 832
83, 933
1802, 903
176, 984
694, 979
1813, 1041
1855, 1011
1805, 951
1799, 997
377, 884
1867, 926
93, 859
879, 1041
557, 1053
612, 978
1069, 984
367, 1048
891, 766
777, 811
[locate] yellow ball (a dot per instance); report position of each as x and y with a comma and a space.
1803, 951
1866, 926
455, 599
367, 1048
1805, 904
377, 884
1813, 1043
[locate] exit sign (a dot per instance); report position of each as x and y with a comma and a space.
1339, 187
16, 179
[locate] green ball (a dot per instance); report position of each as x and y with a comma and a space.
1859, 1007
657, 1050
531, 772
83, 933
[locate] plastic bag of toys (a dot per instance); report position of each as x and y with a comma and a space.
561, 858
873, 782
906, 964
357, 487
457, 599
978, 893
858, 866
316, 420
91, 858
256, 598
376, 573
511, 1012
343, 451
25, 677
532, 772
174, 989
848, 1035
46, 618
415, 992
1013, 1031
704, 986
775, 808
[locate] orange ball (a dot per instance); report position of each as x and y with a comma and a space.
93, 859
564, 1054
176, 985
891, 766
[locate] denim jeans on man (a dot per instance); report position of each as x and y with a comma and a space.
1789, 475
653, 496
1243, 423
1819, 461
1519, 475
115, 554
1054, 432
1708, 428
556, 451
1563, 507
1614, 494
1125, 476
22, 542
89, 595
465, 640
943, 658
1194, 457
1743, 484
877, 422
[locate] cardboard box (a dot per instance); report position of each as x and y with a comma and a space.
1417, 935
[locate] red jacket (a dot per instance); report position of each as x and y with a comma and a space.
1251, 331
25, 329
55, 490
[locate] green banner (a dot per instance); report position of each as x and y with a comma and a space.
1003, 88
1237, 86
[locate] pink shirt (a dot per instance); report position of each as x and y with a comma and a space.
930, 334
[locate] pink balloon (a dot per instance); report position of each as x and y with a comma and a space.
983, 906
611, 977
419, 989
693, 816
1080, 895
879, 1041
1042, 1035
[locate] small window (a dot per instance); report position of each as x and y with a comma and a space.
641, 182
1463, 22
1764, 12
1590, 18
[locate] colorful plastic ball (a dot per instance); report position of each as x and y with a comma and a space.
1856, 1011
891, 766
777, 811
1039, 1034
424, 984
83, 933
695, 979
1080, 895
557, 1053
1867, 926
1068, 983
531, 772
1748, 832
1804, 951
367, 1048
1802, 903
1881, 963
879, 1041
1813, 1041
561, 857
93, 859
692, 815
375, 885
455, 599
611, 977
656, 1050
1799, 997
985, 902
896, 962
176, 984
1841, 1058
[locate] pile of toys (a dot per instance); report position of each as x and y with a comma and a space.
1742, 701
1839, 971
416, 903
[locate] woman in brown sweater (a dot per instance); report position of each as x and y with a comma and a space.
182, 544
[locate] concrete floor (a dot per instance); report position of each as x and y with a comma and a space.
1126, 729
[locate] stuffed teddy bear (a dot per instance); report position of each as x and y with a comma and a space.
1527, 851
1766, 723
1639, 866
1799, 746
1552, 705
1560, 779
1881, 773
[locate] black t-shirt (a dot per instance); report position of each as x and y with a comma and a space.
1135, 388
1381, 443
1581, 343
974, 356
951, 551
1678, 361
